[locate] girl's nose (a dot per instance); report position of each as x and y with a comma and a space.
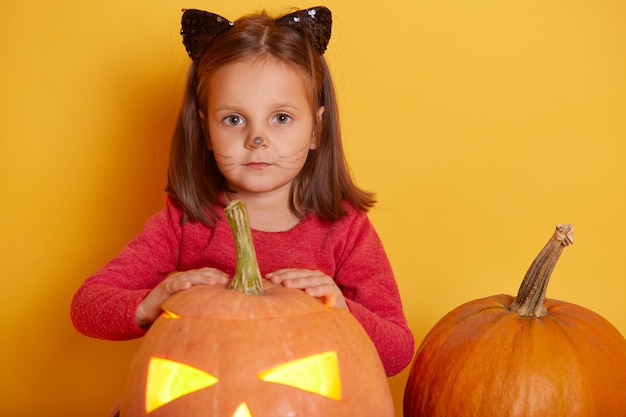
257, 142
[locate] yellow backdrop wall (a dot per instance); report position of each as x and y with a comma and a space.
481, 125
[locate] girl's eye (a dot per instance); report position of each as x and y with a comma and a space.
282, 118
233, 120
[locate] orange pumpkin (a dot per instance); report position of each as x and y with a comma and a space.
262, 350
520, 357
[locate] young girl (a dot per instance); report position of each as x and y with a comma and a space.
258, 123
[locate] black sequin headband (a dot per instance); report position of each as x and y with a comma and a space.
199, 28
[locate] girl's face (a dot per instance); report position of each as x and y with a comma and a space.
260, 124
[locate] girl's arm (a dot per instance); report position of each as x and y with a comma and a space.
106, 303
362, 281
368, 284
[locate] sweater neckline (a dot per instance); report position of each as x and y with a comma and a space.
226, 200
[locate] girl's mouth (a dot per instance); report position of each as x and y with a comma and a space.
257, 165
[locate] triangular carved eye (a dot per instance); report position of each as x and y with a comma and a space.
169, 380
316, 373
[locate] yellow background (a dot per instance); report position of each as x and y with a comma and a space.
480, 124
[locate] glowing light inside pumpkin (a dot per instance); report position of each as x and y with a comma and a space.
168, 380
242, 411
317, 373
170, 315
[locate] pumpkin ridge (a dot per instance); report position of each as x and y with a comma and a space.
452, 387
571, 343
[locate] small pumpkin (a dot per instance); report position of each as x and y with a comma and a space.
520, 357
254, 350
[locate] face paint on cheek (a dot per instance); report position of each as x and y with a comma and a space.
225, 163
295, 160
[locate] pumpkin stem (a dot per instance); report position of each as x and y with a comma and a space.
247, 274
532, 292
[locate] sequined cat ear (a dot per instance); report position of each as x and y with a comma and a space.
314, 23
199, 28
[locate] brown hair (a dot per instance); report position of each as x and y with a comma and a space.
194, 180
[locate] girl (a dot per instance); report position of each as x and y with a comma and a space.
258, 123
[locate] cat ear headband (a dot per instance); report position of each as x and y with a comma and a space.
199, 28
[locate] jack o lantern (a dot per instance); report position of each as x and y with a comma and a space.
255, 349
520, 357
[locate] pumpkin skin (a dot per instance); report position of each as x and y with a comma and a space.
485, 359
234, 336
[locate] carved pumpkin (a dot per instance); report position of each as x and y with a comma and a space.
260, 351
522, 357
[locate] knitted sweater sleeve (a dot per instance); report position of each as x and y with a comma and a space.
368, 284
104, 306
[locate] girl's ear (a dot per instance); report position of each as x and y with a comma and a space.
320, 112
317, 128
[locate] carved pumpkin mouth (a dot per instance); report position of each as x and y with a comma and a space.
169, 380
242, 411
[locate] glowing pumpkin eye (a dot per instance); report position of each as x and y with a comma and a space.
316, 373
169, 380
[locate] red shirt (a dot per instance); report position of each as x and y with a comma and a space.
348, 250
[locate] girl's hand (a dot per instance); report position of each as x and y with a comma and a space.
315, 283
150, 307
